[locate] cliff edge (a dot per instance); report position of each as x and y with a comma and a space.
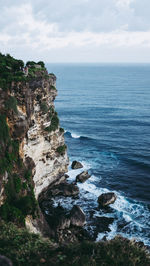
33, 153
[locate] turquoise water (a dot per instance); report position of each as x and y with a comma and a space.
104, 110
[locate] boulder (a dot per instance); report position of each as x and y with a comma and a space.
4, 261
65, 189
76, 165
82, 177
77, 216
107, 198
63, 223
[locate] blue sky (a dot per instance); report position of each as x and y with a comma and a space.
76, 30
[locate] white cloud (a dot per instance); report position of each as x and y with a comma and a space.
25, 31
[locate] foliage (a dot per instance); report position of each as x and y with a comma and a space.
16, 206
54, 123
44, 107
24, 248
11, 104
4, 130
27, 174
8, 155
11, 69
10, 213
62, 130
17, 184
41, 63
53, 87
30, 63
61, 149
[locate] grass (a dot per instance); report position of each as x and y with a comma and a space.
24, 248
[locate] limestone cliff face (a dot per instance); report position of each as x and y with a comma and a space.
40, 144
34, 125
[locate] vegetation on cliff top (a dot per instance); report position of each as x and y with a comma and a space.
12, 69
24, 248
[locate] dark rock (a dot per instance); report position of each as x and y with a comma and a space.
77, 216
82, 177
76, 165
63, 223
5, 261
106, 199
20, 128
65, 189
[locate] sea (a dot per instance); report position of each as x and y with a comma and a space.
105, 112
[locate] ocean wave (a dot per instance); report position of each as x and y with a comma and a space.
75, 136
130, 217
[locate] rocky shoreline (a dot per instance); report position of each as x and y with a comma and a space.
69, 225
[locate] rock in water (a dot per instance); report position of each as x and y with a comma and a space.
106, 199
77, 216
65, 189
82, 177
76, 165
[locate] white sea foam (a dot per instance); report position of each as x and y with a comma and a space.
75, 136
132, 214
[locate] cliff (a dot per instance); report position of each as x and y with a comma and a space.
33, 153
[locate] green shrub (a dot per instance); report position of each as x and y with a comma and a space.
54, 123
62, 130
41, 63
25, 248
61, 149
27, 174
11, 213
11, 104
17, 184
11, 69
44, 107
4, 130
53, 87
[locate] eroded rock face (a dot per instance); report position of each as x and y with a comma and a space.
106, 199
34, 128
65, 189
82, 177
77, 216
40, 144
76, 165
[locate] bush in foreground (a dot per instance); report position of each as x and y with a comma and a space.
24, 248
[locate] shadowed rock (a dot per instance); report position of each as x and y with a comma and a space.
82, 177
5, 261
76, 165
107, 198
65, 189
77, 216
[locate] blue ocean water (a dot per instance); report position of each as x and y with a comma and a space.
105, 111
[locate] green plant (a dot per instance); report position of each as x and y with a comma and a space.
4, 130
61, 149
54, 123
62, 130
25, 248
17, 184
27, 174
53, 87
44, 107
11, 104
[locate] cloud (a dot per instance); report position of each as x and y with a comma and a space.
41, 27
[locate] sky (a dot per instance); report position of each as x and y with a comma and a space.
76, 30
